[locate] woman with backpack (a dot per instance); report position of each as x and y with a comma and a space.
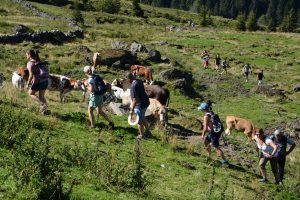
38, 79
269, 152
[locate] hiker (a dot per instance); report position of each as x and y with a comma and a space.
212, 138
139, 103
260, 77
218, 62
225, 65
205, 58
38, 79
246, 71
269, 152
282, 141
97, 88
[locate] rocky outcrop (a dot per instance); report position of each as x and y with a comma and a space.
269, 90
20, 29
175, 73
117, 58
54, 36
297, 88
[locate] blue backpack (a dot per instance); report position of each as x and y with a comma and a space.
100, 88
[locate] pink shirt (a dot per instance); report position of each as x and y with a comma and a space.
35, 70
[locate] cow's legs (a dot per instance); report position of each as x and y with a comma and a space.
229, 127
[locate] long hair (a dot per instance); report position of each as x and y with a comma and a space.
34, 54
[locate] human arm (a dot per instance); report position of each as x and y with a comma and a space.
133, 104
291, 149
30, 77
275, 147
205, 126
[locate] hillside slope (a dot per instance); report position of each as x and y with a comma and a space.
58, 157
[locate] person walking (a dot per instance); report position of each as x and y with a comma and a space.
205, 58
212, 138
97, 88
225, 65
246, 71
269, 152
139, 103
282, 141
38, 79
260, 78
218, 62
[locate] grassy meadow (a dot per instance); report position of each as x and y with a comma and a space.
58, 157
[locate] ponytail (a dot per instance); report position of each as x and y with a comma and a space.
34, 54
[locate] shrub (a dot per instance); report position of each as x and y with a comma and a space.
108, 6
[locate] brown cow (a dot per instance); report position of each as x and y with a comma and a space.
96, 61
241, 125
23, 72
139, 70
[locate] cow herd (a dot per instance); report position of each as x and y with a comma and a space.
119, 88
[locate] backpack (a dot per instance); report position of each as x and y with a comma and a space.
217, 124
44, 71
100, 88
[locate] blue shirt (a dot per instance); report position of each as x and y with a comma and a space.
137, 90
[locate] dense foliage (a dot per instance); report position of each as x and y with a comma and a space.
273, 11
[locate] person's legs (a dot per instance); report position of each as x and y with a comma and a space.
274, 167
262, 166
207, 145
281, 164
91, 116
32, 94
92, 106
220, 153
143, 123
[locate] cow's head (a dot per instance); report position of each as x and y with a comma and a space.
117, 92
162, 112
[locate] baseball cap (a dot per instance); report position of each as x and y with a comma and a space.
203, 106
278, 132
87, 68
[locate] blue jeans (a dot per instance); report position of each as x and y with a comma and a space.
140, 112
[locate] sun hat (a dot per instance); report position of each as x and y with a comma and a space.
203, 106
133, 120
87, 68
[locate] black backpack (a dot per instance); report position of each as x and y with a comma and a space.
100, 88
217, 124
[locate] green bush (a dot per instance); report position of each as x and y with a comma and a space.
108, 6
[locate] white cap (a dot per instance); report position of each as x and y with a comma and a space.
87, 68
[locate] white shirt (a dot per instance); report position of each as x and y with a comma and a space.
266, 148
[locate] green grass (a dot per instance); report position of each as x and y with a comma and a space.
162, 156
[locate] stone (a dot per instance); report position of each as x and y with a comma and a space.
154, 56
20, 29
117, 109
174, 74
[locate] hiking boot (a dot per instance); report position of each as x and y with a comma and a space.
43, 109
111, 126
263, 180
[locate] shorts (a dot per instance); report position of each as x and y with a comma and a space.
246, 73
40, 86
140, 112
213, 138
95, 101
